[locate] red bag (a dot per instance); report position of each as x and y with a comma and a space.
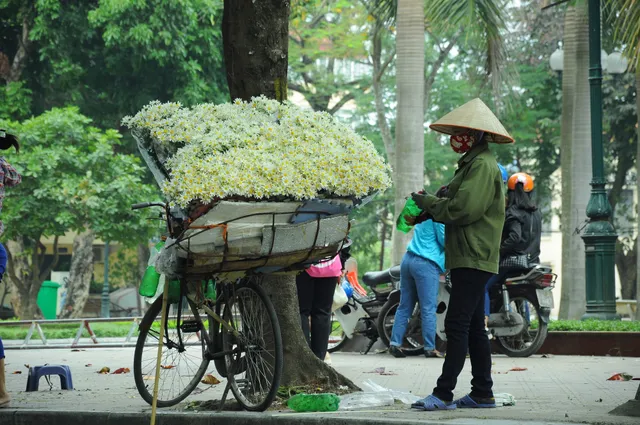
331, 268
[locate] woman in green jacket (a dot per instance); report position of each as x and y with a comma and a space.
473, 211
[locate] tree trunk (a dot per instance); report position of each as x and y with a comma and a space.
21, 280
80, 276
20, 58
256, 47
575, 160
255, 38
638, 187
301, 366
626, 264
409, 161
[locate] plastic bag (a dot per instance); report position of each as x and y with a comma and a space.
410, 209
167, 260
339, 298
504, 399
365, 400
402, 396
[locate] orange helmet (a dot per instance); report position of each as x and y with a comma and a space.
524, 178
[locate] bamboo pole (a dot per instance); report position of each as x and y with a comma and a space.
154, 404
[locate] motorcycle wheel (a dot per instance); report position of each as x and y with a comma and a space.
337, 338
413, 344
530, 340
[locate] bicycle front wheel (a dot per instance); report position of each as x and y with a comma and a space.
184, 361
254, 362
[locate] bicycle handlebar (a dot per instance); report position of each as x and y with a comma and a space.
146, 205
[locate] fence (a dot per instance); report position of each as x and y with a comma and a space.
84, 324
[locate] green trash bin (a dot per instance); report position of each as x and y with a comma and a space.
48, 299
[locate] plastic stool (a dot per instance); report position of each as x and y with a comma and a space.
37, 372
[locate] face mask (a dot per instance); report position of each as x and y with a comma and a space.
462, 143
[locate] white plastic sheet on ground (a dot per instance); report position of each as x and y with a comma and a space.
375, 395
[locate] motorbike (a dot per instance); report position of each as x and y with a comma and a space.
359, 316
518, 320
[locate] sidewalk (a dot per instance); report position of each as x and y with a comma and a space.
555, 389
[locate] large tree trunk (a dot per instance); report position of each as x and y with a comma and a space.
576, 160
24, 284
256, 46
301, 366
409, 161
255, 37
638, 187
80, 276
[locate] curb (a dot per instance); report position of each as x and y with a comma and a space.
30, 417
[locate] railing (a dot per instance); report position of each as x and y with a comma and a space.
84, 324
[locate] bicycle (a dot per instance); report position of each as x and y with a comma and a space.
239, 332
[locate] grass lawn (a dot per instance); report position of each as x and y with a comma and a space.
121, 329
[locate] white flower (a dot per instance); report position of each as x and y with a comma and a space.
260, 149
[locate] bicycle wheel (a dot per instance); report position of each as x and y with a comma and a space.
254, 368
413, 343
183, 363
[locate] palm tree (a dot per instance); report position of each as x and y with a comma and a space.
478, 17
409, 166
575, 159
626, 16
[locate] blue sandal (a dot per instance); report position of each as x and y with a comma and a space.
467, 402
431, 403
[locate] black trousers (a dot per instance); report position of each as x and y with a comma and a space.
464, 326
315, 296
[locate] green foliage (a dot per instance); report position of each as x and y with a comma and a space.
111, 57
73, 179
15, 101
593, 326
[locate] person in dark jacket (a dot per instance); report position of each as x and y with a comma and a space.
522, 229
473, 212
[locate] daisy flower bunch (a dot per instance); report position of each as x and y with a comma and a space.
261, 149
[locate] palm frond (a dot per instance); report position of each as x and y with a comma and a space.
485, 18
626, 17
384, 10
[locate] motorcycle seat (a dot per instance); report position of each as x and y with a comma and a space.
372, 279
521, 273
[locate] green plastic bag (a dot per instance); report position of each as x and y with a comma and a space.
410, 209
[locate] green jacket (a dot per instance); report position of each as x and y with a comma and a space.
473, 212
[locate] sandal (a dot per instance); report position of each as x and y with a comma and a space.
467, 402
431, 403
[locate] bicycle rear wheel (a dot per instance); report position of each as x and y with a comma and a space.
255, 368
183, 363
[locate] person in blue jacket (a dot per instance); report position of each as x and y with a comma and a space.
420, 272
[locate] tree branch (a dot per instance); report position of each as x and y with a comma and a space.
345, 99
19, 60
430, 79
43, 275
385, 65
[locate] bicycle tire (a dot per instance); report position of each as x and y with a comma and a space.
245, 363
145, 392
385, 336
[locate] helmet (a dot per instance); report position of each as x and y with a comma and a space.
504, 173
524, 178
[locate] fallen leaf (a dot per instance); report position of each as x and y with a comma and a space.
121, 371
518, 369
88, 365
547, 356
27, 366
210, 380
148, 378
76, 350
167, 367
104, 370
621, 377
17, 372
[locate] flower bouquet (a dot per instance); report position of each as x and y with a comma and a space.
259, 181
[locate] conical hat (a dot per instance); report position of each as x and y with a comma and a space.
474, 115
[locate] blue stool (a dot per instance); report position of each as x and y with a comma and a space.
37, 372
